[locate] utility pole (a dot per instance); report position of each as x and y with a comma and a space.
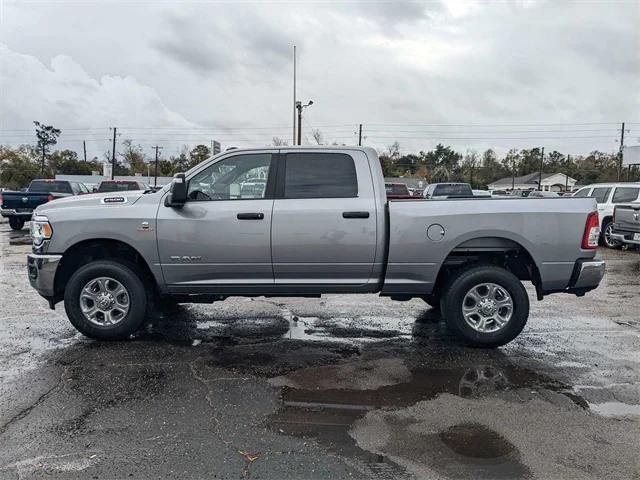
360, 136
299, 107
513, 174
155, 182
541, 167
84, 148
43, 152
566, 177
621, 152
294, 97
113, 154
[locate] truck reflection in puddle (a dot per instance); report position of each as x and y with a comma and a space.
324, 403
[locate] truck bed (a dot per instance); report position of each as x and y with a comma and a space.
422, 234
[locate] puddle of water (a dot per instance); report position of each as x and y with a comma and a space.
615, 409
323, 403
476, 441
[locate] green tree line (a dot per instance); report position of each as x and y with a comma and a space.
21, 164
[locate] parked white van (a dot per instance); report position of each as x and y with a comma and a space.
608, 195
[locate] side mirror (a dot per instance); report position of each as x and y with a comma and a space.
178, 194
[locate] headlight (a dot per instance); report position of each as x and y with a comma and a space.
40, 230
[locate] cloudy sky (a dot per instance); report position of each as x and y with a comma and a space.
499, 74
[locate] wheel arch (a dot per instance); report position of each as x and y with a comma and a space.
86, 251
496, 250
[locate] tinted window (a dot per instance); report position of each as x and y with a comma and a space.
235, 178
117, 186
625, 194
601, 194
50, 186
320, 175
582, 193
396, 189
453, 189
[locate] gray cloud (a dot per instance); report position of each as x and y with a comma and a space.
362, 62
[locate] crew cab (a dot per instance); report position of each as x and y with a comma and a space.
19, 206
322, 225
626, 224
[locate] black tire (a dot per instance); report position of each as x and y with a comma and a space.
16, 223
453, 298
605, 239
124, 273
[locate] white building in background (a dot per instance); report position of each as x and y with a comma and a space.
551, 182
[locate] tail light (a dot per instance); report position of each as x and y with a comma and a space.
591, 232
50, 197
0, 200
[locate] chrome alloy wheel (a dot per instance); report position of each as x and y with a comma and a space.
609, 241
487, 307
104, 301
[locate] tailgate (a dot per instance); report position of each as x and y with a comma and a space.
23, 202
628, 217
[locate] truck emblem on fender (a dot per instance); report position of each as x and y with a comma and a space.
185, 258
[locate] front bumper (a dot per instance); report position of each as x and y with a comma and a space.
42, 272
587, 275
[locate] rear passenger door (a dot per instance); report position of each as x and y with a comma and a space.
324, 219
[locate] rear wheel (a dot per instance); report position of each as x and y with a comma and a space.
16, 223
486, 306
607, 240
106, 300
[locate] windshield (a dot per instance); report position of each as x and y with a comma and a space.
49, 186
118, 186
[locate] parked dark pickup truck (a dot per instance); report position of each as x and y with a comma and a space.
19, 206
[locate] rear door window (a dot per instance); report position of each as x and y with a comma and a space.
625, 194
320, 175
601, 194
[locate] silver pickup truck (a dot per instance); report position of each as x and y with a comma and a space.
305, 222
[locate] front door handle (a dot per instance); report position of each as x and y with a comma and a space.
355, 214
251, 216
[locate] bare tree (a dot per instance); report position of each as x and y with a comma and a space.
279, 142
317, 135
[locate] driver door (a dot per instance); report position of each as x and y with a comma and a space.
222, 235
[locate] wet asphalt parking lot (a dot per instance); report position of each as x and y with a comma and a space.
338, 387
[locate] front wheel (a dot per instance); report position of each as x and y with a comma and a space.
16, 223
106, 300
607, 238
486, 306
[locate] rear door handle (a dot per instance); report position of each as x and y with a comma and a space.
355, 214
250, 216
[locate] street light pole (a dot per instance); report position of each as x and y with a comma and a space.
299, 108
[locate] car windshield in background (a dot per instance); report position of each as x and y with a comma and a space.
453, 189
117, 187
396, 189
45, 186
